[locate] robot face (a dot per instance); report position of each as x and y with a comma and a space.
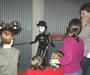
41, 29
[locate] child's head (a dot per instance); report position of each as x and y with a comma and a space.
36, 62
56, 55
74, 26
7, 36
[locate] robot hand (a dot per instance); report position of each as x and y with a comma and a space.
52, 45
31, 42
28, 42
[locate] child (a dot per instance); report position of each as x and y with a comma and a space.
8, 55
36, 62
54, 69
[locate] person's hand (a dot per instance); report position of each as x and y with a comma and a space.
54, 61
51, 62
84, 21
84, 41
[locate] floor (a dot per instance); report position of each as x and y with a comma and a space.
21, 72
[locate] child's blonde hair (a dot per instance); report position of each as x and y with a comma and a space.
36, 62
7, 36
56, 55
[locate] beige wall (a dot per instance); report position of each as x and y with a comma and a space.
38, 14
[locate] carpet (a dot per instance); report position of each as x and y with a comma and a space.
21, 72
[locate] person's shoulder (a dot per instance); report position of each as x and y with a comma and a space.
80, 39
1, 50
45, 68
68, 38
28, 69
15, 49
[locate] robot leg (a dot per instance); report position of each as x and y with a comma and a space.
45, 52
44, 56
38, 52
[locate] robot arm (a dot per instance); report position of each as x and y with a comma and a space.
32, 42
50, 41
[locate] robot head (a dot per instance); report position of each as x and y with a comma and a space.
41, 29
42, 26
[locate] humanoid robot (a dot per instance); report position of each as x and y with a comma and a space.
44, 40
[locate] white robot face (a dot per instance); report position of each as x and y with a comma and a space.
41, 29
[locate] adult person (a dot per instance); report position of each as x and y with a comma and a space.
85, 35
73, 49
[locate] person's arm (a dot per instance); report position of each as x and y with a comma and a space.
54, 61
87, 38
50, 41
82, 52
85, 34
87, 44
18, 56
61, 48
68, 54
